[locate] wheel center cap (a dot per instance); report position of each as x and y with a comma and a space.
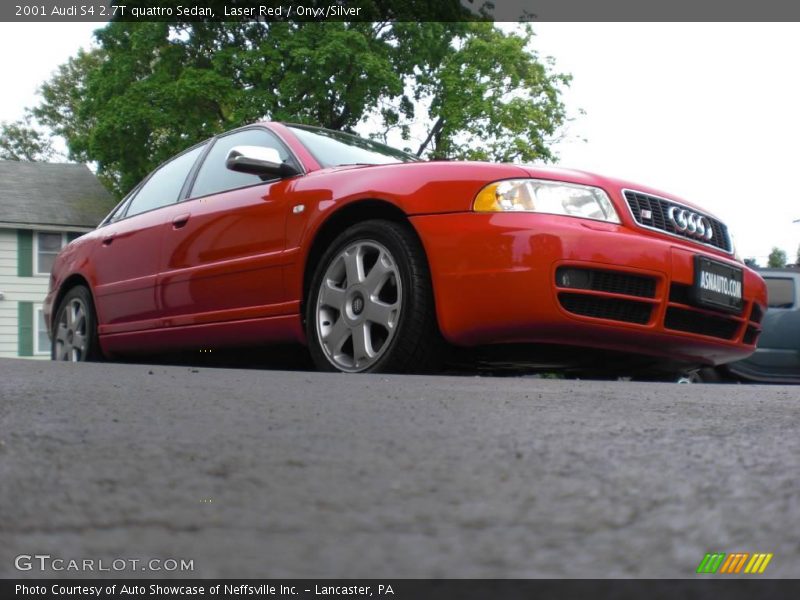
358, 305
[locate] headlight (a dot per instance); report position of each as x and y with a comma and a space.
553, 197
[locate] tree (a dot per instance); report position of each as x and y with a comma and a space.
21, 140
449, 90
751, 262
777, 258
63, 98
797, 259
488, 97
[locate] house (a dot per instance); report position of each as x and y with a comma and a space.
43, 207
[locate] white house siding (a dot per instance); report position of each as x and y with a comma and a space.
15, 290
8, 308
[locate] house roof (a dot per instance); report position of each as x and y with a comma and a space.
37, 193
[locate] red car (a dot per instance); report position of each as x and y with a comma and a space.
380, 262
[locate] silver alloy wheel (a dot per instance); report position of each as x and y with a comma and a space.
358, 306
71, 335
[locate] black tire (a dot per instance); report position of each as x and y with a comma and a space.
68, 326
412, 342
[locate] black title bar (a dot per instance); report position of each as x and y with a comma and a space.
403, 589
398, 10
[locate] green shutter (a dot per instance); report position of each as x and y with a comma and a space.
24, 253
25, 323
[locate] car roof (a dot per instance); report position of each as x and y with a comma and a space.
792, 271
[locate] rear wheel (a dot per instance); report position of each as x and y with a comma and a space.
370, 306
75, 328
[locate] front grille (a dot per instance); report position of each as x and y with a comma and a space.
658, 207
757, 313
681, 319
615, 309
751, 335
606, 281
680, 293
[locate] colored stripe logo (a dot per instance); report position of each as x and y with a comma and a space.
720, 562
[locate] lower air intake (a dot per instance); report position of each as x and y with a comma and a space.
681, 319
613, 309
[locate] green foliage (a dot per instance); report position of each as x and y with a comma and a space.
490, 97
21, 140
152, 89
751, 262
777, 258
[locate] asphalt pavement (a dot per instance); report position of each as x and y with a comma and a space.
277, 474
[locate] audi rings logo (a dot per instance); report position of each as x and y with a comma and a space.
690, 223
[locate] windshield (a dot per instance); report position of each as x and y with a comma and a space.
334, 148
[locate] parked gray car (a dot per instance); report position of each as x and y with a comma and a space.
777, 356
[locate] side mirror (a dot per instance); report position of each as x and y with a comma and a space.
256, 160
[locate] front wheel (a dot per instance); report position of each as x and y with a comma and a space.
75, 328
370, 306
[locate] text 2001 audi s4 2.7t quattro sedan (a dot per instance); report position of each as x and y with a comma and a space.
378, 262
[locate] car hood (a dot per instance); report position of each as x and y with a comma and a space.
612, 185
453, 184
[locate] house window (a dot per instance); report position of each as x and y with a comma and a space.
47, 245
41, 341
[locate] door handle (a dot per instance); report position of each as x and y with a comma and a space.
180, 221
108, 239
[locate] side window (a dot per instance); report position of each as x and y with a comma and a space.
213, 177
165, 184
780, 292
119, 210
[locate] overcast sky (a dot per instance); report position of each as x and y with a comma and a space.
709, 112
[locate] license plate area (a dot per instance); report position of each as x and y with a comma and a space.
717, 285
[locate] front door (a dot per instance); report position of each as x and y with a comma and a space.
222, 253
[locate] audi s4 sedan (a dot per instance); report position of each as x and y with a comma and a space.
378, 261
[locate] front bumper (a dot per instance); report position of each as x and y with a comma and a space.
494, 279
